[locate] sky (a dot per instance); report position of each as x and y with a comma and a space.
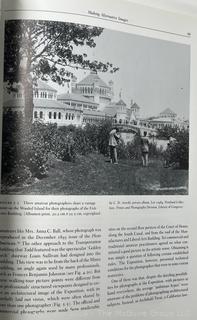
154, 73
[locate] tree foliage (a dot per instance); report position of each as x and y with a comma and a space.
167, 131
47, 50
177, 152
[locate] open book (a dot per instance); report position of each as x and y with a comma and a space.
97, 206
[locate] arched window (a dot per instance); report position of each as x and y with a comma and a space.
36, 95
59, 115
69, 116
73, 116
50, 115
41, 114
55, 115
35, 114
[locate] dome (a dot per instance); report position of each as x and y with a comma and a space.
93, 79
42, 85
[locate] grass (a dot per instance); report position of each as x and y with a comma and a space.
93, 175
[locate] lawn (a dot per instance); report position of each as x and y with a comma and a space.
94, 175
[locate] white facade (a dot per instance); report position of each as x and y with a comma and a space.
46, 107
95, 89
49, 107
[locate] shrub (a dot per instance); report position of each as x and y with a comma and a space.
154, 151
167, 131
103, 136
24, 148
64, 144
122, 150
92, 132
132, 150
178, 151
20, 174
134, 147
81, 143
129, 151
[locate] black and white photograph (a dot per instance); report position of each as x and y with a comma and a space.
93, 111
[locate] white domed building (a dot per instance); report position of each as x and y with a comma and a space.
165, 118
95, 89
46, 107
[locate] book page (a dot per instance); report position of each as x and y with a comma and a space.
97, 204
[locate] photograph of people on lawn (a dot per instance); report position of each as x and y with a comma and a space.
93, 111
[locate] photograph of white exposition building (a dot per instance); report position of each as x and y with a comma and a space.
87, 101
75, 107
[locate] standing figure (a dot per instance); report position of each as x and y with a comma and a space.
145, 149
113, 142
170, 150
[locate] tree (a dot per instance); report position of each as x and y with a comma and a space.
46, 50
177, 151
103, 136
167, 132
